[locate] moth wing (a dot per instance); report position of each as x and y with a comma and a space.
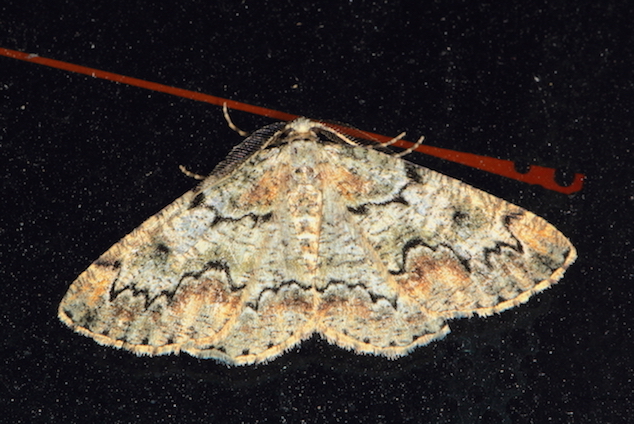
205, 275
474, 253
412, 248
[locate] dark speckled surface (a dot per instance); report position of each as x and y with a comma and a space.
84, 161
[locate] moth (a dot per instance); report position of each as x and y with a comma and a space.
304, 230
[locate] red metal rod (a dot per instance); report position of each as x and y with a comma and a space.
539, 175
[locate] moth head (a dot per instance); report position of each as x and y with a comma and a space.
304, 129
301, 125
300, 129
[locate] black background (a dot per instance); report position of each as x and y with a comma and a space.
84, 161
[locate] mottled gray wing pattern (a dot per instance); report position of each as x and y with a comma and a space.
208, 275
298, 233
421, 249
